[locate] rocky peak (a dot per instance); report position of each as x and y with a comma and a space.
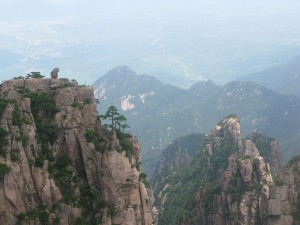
232, 183
251, 191
228, 129
58, 165
120, 75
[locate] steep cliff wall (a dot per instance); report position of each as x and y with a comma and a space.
230, 182
58, 165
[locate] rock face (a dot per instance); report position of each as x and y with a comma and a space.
247, 194
232, 183
58, 165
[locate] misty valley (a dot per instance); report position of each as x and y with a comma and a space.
131, 149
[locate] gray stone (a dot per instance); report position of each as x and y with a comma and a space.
274, 207
54, 73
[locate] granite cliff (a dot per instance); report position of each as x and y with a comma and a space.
232, 182
58, 165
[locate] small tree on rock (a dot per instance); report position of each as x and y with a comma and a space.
34, 75
117, 120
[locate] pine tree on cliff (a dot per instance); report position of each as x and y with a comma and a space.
117, 120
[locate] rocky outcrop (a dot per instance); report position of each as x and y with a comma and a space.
233, 183
269, 148
58, 165
248, 193
54, 73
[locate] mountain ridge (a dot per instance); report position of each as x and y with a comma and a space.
283, 78
168, 112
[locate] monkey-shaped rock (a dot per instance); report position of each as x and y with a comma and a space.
54, 73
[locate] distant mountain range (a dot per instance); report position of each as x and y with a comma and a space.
158, 113
284, 78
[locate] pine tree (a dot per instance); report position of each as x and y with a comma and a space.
118, 121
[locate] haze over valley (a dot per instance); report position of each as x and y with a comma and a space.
150, 112
178, 42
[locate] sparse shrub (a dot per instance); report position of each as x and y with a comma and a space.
144, 180
76, 105
264, 215
3, 141
34, 75
48, 131
44, 217
278, 181
216, 190
61, 165
17, 117
41, 105
100, 146
89, 135
24, 140
14, 155
81, 221
45, 154
127, 146
4, 169
87, 101
4, 103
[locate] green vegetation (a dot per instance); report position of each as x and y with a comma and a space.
127, 146
293, 160
14, 155
3, 142
16, 115
19, 77
100, 146
90, 135
118, 124
4, 103
62, 172
87, 101
118, 121
76, 105
48, 132
28, 216
4, 169
34, 75
43, 110
204, 172
144, 180
41, 214
44, 154
263, 144
264, 216
69, 176
278, 181
41, 105
296, 214
100, 143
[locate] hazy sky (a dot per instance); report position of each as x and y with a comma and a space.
163, 36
